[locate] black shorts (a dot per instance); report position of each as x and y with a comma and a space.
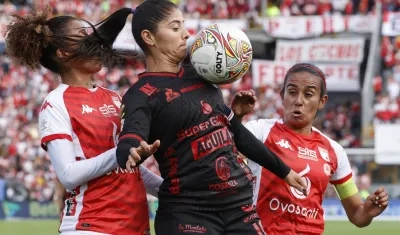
238, 221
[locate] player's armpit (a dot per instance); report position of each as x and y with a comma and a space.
346, 189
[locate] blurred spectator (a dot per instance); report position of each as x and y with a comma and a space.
3, 186
326, 7
364, 183
387, 85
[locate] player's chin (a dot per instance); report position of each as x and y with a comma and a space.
181, 55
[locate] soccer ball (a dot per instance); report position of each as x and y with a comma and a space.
221, 54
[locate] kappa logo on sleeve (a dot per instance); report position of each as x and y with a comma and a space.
45, 105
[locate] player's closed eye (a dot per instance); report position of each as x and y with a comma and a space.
309, 95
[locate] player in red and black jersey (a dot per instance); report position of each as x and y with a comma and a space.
206, 188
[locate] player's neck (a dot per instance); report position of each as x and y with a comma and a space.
302, 131
159, 64
77, 79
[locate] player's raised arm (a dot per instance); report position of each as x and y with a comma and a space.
135, 121
56, 137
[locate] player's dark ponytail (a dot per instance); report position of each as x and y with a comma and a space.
146, 16
109, 29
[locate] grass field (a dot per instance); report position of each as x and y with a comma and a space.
41, 227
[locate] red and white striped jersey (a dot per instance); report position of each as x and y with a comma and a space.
317, 158
114, 203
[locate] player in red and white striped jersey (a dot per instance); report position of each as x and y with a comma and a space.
318, 159
79, 125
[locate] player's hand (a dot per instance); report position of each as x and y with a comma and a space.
243, 103
376, 202
296, 181
144, 151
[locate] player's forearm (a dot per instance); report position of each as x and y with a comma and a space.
152, 182
360, 218
73, 173
256, 151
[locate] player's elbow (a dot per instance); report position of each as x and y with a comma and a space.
70, 183
361, 221
360, 225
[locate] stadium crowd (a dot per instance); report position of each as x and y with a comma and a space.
387, 83
22, 91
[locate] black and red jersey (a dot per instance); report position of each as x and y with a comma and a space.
197, 156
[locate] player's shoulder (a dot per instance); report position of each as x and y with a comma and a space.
56, 96
108, 91
334, 144
262, 124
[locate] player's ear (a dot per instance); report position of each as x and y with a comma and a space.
322, 102
61, 54
148, 37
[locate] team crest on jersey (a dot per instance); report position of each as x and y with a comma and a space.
327, 169
116, 101
324, 154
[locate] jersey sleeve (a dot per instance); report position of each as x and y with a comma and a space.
343, 171
342, 179
73, 173
135, 123
256, 127
54, 121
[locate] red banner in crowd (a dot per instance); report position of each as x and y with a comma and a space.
340, 77
391, 24
321, 50
309, 26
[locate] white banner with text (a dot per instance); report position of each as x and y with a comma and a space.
340, 77
321, 50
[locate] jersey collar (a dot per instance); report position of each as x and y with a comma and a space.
163, 74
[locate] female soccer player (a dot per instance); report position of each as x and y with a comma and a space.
79, 124
206, 188
319, 159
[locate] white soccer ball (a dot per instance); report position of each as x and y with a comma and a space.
221, 54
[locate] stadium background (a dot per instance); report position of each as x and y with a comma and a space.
355, 42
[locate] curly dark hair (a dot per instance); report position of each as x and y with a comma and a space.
34, 39
26, 37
